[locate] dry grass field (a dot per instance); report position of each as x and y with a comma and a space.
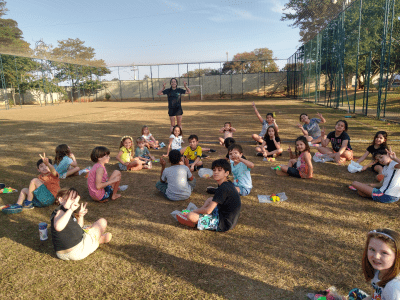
283, 250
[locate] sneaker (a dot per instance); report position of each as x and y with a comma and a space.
28, 205
352, 188
12, 209
211, 190
204, 156
259, 154
212, 150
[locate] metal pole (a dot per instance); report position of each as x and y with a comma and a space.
16, 73
358, 53
388, 64
152, 86
242, 78
120, 87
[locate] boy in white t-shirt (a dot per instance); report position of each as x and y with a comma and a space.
389, 190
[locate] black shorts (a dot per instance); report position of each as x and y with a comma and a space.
175, 111
293, 172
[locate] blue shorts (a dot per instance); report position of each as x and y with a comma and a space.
209, 222
378, 196
243, 191
122, 167
42, 197
108, 192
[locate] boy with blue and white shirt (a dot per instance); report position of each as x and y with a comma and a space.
241, 170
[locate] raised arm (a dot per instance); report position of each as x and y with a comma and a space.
47, 163
248, 163
305, 132
188, 91
160, 92
321, 117
61, 219
257, 113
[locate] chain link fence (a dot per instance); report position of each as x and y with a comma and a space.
353, 64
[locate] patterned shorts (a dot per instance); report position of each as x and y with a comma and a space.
378, 196
108, 192
357, 294
209, 222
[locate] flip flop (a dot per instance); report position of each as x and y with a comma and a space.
352, 188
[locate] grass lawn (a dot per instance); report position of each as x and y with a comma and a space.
283, 250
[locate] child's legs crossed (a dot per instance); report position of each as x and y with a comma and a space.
257, 138
324, 150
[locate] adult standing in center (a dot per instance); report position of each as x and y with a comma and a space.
174, 101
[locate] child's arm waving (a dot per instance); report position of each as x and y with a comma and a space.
249, 164
275, 125
47, 163
257, 113
160, 92
321, 117
324, 142
291, 154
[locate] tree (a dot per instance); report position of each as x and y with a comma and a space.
259, 60
78, 63
311, 17
201, 72
11, 41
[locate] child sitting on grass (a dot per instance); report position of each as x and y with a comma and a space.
65, 162
221, 212
268, 122
70, 240
143, 153
240, 169
100, 186
125, 158
388, 190
193, 152
176, 182
300, 164
41, 191
340, 141
228, 131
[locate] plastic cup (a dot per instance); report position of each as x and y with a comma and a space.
43, 231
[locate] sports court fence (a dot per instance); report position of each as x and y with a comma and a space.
353, 63
26, 80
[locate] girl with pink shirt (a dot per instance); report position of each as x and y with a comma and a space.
101, 188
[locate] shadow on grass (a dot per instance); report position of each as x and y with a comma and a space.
211, 279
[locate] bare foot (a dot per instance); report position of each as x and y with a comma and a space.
105, 238
115, 196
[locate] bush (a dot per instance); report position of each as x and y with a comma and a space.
108, 96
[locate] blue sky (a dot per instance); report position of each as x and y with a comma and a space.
126, 32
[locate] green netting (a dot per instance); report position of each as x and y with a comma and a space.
353, 63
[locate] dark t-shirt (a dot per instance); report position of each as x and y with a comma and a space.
174, 97
371, 149
229, 205
69, 237
270, 143
337, 141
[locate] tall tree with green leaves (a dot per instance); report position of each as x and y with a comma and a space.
11, 41
258, 60
312, 16
78, 65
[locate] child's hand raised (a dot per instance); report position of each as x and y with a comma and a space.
319, 115
289, 149
391, 153
72, 201
299, 125
44, 158
253, 104
83, 211
185, 84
